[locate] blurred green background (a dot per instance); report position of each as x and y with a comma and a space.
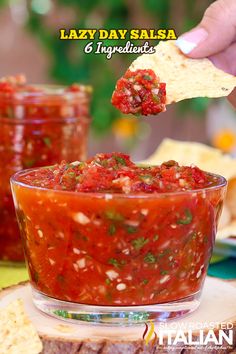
68, 63
29, 43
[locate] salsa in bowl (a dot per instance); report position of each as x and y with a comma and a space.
109, 236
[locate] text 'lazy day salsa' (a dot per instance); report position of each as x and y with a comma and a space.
108, 232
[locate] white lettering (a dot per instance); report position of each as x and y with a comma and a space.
210, 337
180, 338
227, 337
88, 48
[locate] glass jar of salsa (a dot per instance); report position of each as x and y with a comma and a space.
39, 126
109, 241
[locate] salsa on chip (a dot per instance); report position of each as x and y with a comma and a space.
167, 76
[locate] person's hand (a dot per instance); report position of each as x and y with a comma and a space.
215, 38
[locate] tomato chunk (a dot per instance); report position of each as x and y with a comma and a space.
140, 92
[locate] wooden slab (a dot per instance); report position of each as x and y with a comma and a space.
218, 305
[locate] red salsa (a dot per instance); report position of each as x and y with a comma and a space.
109, 232
140, 92
39, 126
116, 173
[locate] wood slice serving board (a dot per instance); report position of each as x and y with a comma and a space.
218, 305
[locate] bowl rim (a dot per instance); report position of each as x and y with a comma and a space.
112, 195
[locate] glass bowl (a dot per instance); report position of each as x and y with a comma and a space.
116, 258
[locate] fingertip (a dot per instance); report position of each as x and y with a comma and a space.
189, 41
186, 47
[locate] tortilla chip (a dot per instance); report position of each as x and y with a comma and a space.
188, 153
225, 217
185, 77
227, 231
208, 159
231, 196
17, 334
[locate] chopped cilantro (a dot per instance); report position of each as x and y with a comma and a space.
138, 243
150, 258
113, 215
120, 160
131, 229
112, 229
47, 141
156, 98
145, 177
108, 282
103, 163
188, 218
29, 163
164, 272
155, 237
147, 77
114, 262
145, 281
71, 174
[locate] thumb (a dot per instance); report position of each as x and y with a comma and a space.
216, 31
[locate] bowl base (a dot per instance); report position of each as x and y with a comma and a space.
114, 315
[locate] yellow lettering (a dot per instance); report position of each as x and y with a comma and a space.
151, 35
73, 34
134, 34
161, 34
91, 33
82, 34
171, 34
63, 34
122, 33
113, 35
103, 34
143, 35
